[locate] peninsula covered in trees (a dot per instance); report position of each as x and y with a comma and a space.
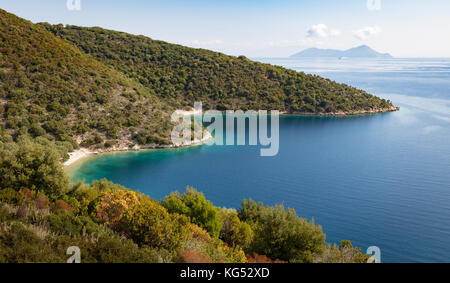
97, 88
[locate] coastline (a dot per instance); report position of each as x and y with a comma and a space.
342, 113
83, 153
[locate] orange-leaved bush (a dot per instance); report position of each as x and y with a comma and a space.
114, 204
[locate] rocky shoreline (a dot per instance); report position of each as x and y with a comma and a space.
343, 113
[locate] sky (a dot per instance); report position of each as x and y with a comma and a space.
262, 28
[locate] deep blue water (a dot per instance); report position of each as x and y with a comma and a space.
380, 180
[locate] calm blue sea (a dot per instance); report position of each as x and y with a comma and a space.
380, 180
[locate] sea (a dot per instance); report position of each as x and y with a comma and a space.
377, 180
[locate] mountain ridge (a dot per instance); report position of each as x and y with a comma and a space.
362, 51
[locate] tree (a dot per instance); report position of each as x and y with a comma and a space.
31, 165
194, 205
281, 234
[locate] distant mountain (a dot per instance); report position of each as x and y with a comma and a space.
362, 51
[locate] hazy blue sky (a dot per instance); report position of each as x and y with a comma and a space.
263, 28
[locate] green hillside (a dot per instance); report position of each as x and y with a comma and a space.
183, 75
48, 87
98, 88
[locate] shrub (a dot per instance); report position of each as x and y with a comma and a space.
281, 234
345, 253
41, 201
63, 223
60, 205
234, 232
31, 165
19, 244
11, 196
114, 204
193, 256
199, 210
148, 223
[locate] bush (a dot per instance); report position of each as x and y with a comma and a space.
63, 223
345, 253
281, 234
234, 232
11, 196
31, 165
199, 210
113, 205
148, 223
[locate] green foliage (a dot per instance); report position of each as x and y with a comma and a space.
281, 234
235, 232
63, 223
345, 253
148, 223
31, 165
11, 196
199, 210
19, 244
182, 75
147, 232
50, 87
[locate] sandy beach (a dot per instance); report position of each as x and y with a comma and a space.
83, 153
77, 155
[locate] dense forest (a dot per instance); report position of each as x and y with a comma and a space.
42, 215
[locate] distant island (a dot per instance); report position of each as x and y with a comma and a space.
362, 51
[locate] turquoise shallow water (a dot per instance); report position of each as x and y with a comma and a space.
378, 180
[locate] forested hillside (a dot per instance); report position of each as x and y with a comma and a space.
48, 87
183, 75
98, 88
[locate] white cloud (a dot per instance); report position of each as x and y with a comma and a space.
321, 31
366, 32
